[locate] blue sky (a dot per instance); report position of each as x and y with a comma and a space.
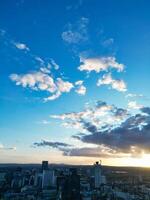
60, 57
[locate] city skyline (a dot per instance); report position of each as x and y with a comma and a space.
74, 81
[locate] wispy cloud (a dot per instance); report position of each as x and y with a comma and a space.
2, 147
44, 122
77, 32
21, 46
132, 95
107, 42
80, 88
134, 105
47, 143
53, 96
75, 5
56, 66
48, 63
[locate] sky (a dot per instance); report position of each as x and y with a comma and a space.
74, 81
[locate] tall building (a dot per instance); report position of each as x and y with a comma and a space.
48, 179
71, 187
38, 180
44, 165
97, 174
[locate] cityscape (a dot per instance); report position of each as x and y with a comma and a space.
61, 182
74, 99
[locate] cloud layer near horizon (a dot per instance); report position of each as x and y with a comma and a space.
114, 132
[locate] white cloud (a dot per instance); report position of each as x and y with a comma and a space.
72, 124
131, 95
45, 70
118, 131
77, 32
81, 90
21, 46
107, 42
116, 84
137, 96
71, 37
47, 63
35, 80
2, 147
101, 109
40, 60
99, 64
45, 122
40, 80
101, 115
64, 86
134, 105
53, 97
56, 66
80, 82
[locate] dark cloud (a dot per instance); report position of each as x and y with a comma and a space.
129, 137
120, 112
146, 110
100, 114
100, 104
134, 132
78, 136
57, 145
89, 152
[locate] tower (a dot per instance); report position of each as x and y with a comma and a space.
48, 179
44, 165
97, 174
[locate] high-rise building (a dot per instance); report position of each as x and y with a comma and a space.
48, 179
97, 174
38, 180
71, 187
44, 165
